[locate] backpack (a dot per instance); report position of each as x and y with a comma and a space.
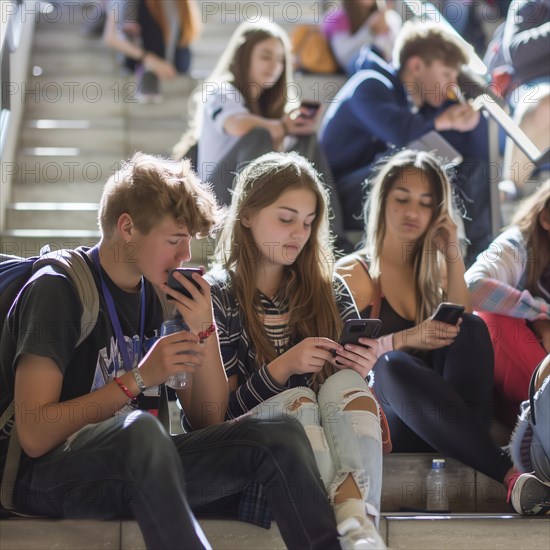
312, 51
15, 275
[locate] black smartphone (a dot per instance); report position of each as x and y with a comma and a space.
309, 109
359, 328
187, 272
448, 313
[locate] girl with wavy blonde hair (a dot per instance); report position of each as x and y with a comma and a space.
279, 310
426, 368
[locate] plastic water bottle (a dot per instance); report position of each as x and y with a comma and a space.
436, 487
179, 380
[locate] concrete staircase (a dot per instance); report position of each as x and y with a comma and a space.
81, 119
479, 519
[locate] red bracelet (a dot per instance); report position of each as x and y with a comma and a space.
204, 334
124, 389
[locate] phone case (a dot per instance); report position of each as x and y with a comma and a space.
448, 313
176, 285
359, 328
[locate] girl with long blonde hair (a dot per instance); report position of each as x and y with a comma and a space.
279, 311
433, 379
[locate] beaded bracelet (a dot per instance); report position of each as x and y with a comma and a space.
204, 334
124, 389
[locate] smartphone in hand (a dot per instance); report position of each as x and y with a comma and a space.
309, 109
359, 328
187, 272
448, 312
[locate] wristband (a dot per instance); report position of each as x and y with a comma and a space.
124, 389
139, 379
204, 334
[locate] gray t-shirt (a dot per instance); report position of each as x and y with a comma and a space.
221, 100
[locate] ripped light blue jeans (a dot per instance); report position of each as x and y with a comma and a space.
346, 439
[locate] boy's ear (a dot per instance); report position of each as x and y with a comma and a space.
125, 226
415, 64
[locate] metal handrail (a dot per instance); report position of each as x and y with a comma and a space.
13, 14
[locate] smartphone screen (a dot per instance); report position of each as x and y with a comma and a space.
187, 272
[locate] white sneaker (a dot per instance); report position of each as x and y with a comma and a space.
355, 535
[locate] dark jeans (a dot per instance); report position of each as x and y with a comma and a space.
443, 401
130, 467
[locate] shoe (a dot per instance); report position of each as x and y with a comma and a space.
355, 535
529, 495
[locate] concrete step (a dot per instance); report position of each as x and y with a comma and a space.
404, 486
29, 242
50, 215
120, 136
65, 165
405, 531
31, 191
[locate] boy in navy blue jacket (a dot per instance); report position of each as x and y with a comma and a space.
383, 106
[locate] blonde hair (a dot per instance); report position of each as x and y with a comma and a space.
537, 239
149, 187
426, 258
234, 67
307, 286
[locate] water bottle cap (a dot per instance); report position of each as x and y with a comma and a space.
438, 463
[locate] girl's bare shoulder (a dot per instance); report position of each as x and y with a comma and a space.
354, 271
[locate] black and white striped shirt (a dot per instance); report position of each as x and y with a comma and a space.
255, 384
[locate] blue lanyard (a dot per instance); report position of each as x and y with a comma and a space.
121, 342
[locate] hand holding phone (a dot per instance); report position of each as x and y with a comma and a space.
448, 312
187, 272
309, 109
353, 330
359, 328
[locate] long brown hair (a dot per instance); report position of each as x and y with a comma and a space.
537, 239
426, 258
233, 67
358, 12
307, 286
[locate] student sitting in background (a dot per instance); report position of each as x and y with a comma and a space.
358, 24
244, 110
510, 288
